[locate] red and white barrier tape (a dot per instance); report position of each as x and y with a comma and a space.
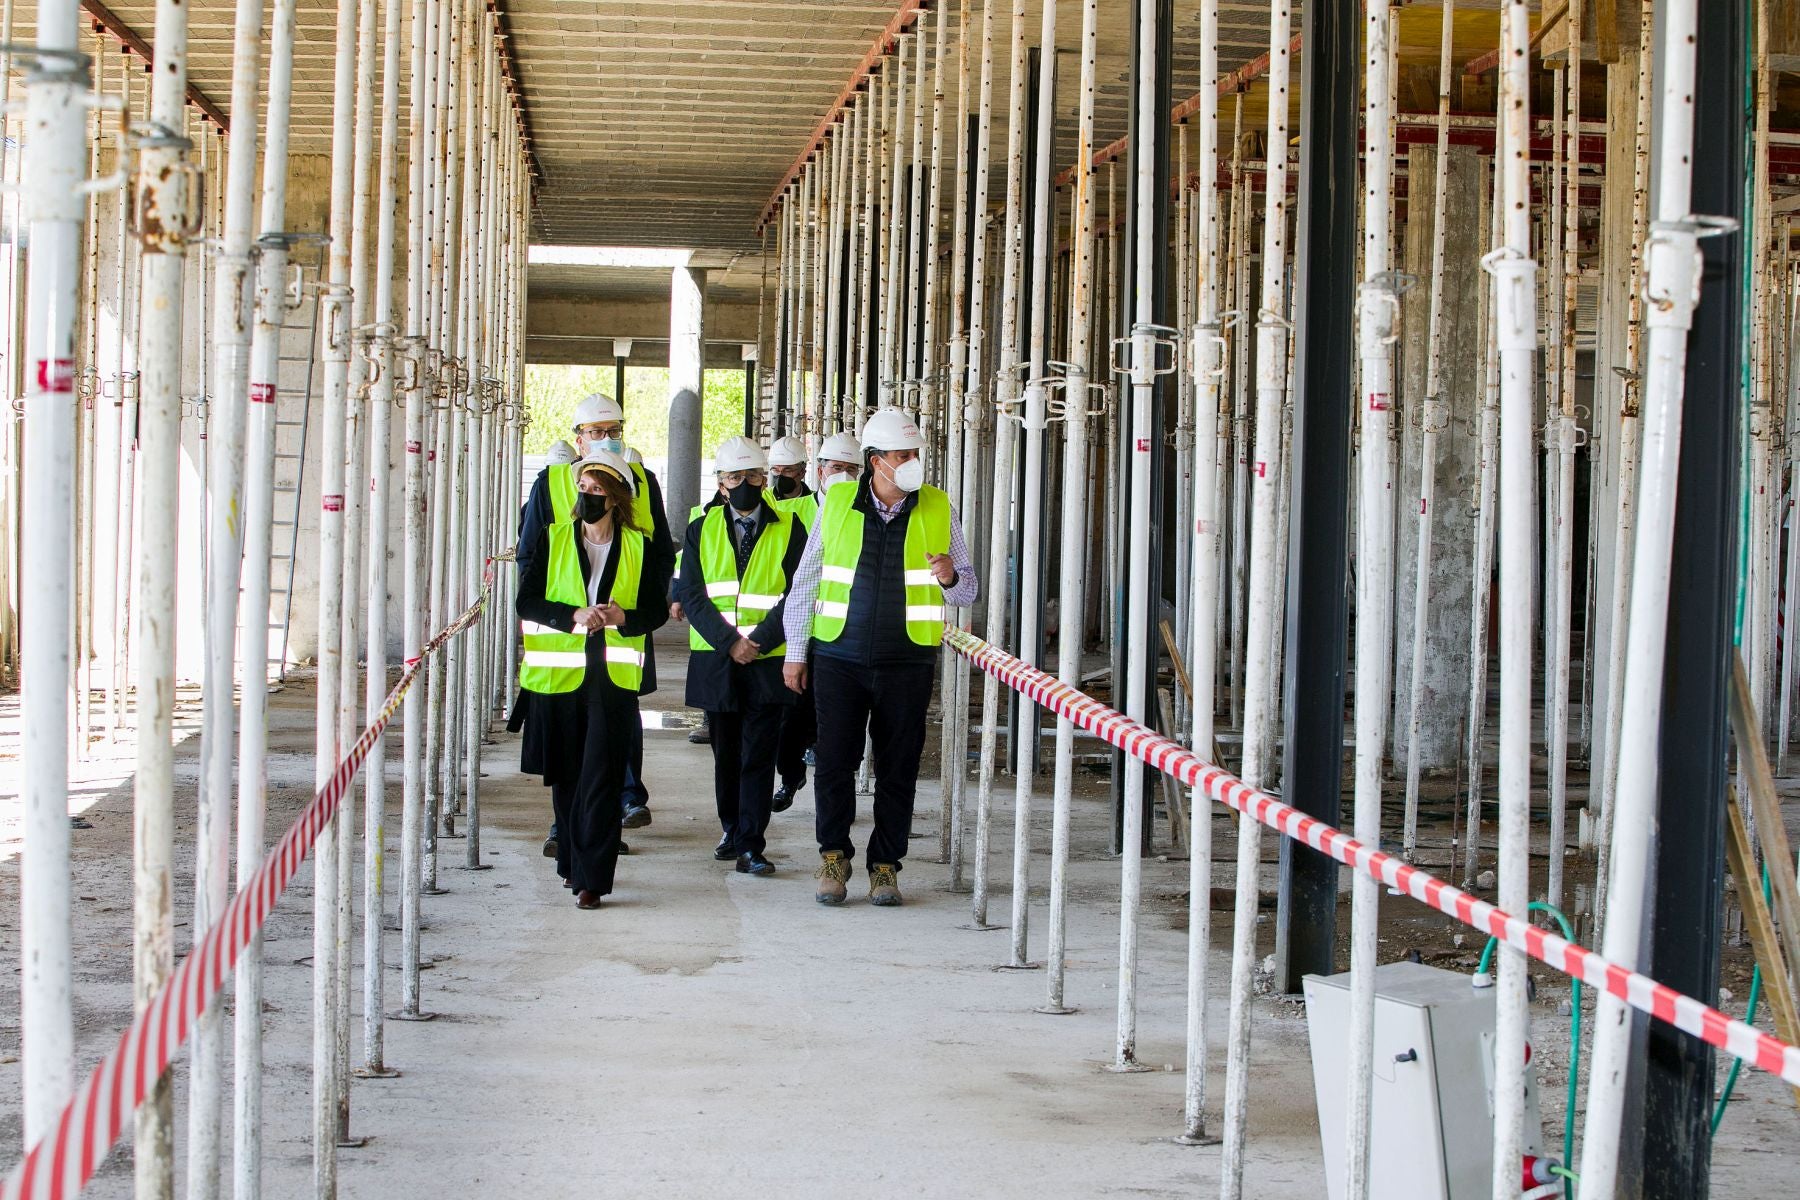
63, 1161
1639, 991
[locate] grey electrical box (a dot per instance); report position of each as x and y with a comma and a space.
1431, 1119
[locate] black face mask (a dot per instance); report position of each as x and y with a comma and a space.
745, 497
787, 487
589, 507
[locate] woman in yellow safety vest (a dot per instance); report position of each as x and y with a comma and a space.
589, 598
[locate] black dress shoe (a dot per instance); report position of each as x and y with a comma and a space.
784, 796
636, 816
624, 849
725, 851
754, 864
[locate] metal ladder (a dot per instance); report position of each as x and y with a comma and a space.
299, 354
297, 377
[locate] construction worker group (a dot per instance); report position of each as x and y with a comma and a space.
814, 614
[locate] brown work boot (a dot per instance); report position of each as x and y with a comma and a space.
834, 877
884, 884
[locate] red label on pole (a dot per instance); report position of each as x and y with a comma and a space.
1143, 445
262, 393
1378, 401
1421, 506
1262, 470
56, 374
413, 447
332, 503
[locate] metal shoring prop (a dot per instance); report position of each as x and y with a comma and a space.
1145, 345
1239, 259
1378, 311
411, 363
815, 408
862, 220
952, 758
272, 303
166, 221
893, 283
1203, 607
333, 298
439, 779
1183, 438
906, 350
459, 323
55, 187
225, 446
477, 184
926, 372
1672, 287
104, 599
1006, 380
1759, 617
1076, 479
86, 412
352, 584
1434, 416
974, 450
381, 401
1271, 370
1484, 545
1031, 515
1516, 336
1568, 435
126, 406
834, 312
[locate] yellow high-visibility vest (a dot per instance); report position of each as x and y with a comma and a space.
555, 662
744, 603
927, 532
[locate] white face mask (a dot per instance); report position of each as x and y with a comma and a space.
831, 478
910, 476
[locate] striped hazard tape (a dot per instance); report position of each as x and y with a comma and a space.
62, 1162
1639, 991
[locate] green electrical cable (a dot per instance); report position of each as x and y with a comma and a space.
1568, 932
1737, 1064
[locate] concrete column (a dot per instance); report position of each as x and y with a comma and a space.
1446, 698
687, 362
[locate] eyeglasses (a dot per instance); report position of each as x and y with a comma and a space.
594, 433
732, 478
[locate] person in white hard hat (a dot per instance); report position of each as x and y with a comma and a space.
561, 453
882, 563
736, 561
599, 424
840, 462
787, 469
589, 602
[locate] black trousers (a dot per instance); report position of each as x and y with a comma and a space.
588, 812
888, 703
799, 729
743, 748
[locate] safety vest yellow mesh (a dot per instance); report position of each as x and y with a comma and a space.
803, 508
744, 603
555, 662
841, 535
561, 482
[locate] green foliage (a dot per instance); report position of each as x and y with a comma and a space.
551, 393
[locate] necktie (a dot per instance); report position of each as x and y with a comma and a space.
746, 541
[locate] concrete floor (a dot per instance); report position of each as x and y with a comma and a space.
707, 1030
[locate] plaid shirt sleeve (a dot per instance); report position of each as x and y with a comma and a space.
802, 591
967, 585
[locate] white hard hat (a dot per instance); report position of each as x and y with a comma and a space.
840, 447
892, 429
608, 461
740, 454
787, 452
561, 452
597, 408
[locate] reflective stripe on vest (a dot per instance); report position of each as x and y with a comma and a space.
554, 662
841, 538
743, 603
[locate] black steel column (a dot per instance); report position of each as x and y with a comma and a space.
1319, 481
619, 380
1689, 851
750, 397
